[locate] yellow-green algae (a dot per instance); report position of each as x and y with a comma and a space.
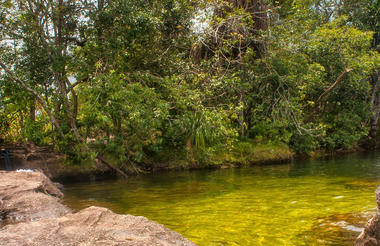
316, 202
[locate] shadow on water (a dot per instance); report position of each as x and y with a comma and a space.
312, 202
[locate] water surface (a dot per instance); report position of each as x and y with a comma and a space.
315, 202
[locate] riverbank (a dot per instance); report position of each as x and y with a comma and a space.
31, 213
54, 165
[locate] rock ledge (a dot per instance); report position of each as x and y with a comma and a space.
30, 204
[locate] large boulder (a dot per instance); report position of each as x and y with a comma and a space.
28, 196
370, 236
31, 214
91, 226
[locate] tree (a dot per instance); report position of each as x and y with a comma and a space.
53, 27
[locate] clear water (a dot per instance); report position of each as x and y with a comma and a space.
315, 202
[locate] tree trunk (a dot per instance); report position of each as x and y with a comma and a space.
375, 106
118, 170
22, 124
241, 118
75, 103
32, 111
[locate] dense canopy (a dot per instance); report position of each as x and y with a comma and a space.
136, 83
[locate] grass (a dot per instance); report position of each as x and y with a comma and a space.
247, 153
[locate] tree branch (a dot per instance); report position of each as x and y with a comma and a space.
35, 94
320, 98
326, 92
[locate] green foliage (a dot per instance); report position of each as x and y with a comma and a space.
299, 72
303, 143
134, 80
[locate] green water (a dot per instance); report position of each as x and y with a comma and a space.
316, 202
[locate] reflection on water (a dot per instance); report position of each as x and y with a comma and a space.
315, 202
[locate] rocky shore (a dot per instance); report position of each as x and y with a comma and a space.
370, 236
31, 214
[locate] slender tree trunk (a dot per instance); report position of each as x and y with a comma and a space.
375, 106
22, 124
32, 111
61, 75
75, 103
242, 119
68, 108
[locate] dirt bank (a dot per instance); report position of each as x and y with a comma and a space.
31, 214
52, 163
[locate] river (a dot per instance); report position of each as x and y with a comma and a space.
313, 202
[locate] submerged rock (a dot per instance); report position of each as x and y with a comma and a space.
371, 233
32, 198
